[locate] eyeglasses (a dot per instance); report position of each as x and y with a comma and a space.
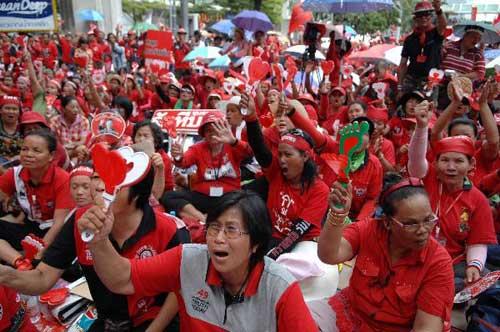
413, 228
231, 232
187, 90
424, 14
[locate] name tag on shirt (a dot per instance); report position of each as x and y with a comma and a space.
216, 191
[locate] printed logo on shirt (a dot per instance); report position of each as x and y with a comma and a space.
464, 220
226, 170
199, 301
145, 252
88, 256
283, 223
360, 191
1, 312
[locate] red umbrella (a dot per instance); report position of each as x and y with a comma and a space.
374, 53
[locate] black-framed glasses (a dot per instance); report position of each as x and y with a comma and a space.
429, 223
231, 232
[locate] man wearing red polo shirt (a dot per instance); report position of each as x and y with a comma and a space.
181, 49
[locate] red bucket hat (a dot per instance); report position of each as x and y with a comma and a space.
31, 117
209, 117
460, 144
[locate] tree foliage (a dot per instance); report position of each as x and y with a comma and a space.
137, 9
231, 7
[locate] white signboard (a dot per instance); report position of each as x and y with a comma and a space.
28, 15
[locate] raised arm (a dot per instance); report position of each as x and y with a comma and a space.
417, 163
441, 19
490, 146
444, 119
36, 88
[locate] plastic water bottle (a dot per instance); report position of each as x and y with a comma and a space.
33, 311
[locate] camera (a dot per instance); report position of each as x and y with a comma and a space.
312, 33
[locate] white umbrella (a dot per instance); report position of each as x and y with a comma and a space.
394, 55
299, 50
493, 63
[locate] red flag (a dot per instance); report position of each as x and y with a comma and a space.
299, 17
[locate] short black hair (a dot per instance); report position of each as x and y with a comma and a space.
155, 129
462, 121
126, 104
47, 135
390, 202
255, 219
142, 190
65, 100
310, 170
371, 126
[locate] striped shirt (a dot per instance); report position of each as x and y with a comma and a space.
470, 61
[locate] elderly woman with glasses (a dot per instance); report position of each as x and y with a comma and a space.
225, 285
402, 279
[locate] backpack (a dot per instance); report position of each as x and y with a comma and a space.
484, 315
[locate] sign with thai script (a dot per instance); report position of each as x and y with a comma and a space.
182, 121
158, 45
28, 15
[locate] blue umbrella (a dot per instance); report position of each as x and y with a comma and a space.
220, 63
90, 15
204, 53
252, 20
224, 26
490, 35
491, 53
346, 6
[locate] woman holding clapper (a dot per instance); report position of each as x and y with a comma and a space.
402, 279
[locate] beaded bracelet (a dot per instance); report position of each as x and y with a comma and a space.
336, 219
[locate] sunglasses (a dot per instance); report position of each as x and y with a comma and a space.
424, 14
186, 90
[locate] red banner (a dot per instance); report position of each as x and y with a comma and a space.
158, 45
185, 121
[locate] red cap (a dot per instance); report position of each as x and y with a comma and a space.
377, 113
339, 89
10, 100
31, 117
460, 144
209, 117
164, 79
307, 98
208, 74
423, 6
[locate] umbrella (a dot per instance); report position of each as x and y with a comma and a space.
224, 26
490, 36
143, 26
299, 50
394, 55
491, 54
347, 6
207, 53
90, 15
252, 20
221, 62
493, 63
373, 54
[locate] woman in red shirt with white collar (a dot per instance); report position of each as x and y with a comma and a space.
465, 220
42, 190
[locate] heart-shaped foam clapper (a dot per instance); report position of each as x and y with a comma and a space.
229, 87
257, 70
137, 165
110, 165
279, 77
135, 66
98, 76
55, 297
347, 70
337, 163
379, 88
327, 66
291, 72
436, 75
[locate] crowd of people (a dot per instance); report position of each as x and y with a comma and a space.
213, 236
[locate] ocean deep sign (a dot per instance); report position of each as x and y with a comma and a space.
27, 15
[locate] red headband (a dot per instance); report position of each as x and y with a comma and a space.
377, 114
10, 100
410, 182
460, 144
297, 142
81, 171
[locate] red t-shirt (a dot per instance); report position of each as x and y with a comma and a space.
180, 52
366, 187
465, 216
216, 175
483, 167
169, 178
286, 204
385, 296
148, 241
51, 194
162, 273
10, 303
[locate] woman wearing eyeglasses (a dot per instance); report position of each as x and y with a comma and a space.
403, 278
465, 220
225, 285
